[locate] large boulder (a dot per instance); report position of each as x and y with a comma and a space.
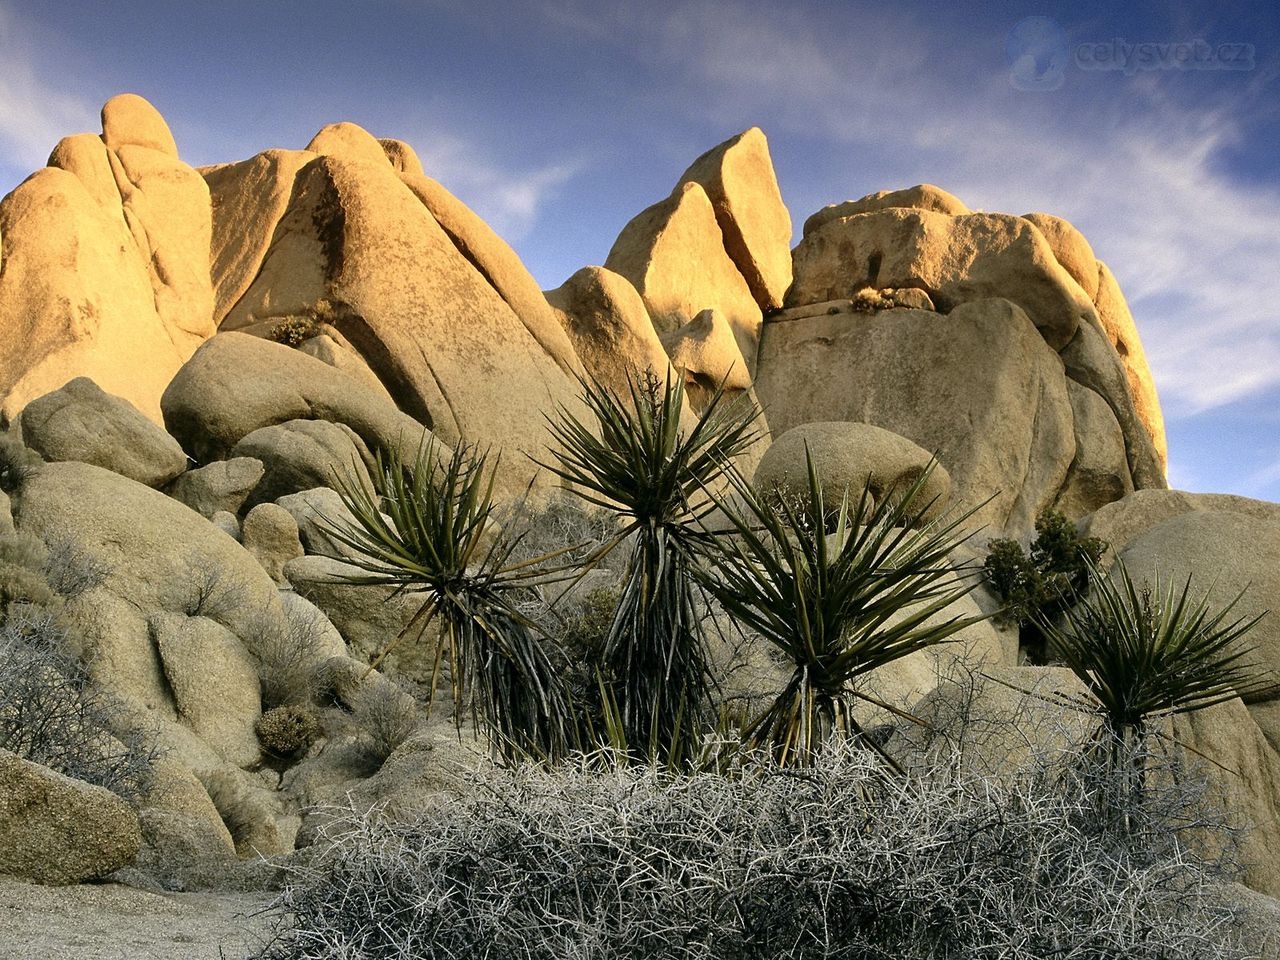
249, 199
1121, 522
499, 265
1243, 770
846, 456
81, 421
349, 140
57, 830
180, 824
1094, 363
76, 299
740, 183
270, 534
331, 347
1099, 474
106, 273
128, 120
923, 196
357, 249
302, 454
674, 254
609, 327
707, 356
214, 683
218, 487
317, 512
979, 388
956, 259
1117, 322
237, 383
1070, 249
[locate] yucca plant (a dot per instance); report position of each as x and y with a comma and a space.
1146, 654
836, 604
424, 528
635, 461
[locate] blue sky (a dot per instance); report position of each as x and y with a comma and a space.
558, 120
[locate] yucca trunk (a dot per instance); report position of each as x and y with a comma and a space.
515, 690
1124, 790
804, 719
654, 654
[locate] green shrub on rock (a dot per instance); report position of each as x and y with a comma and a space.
294, 331
17, 462
1047, 580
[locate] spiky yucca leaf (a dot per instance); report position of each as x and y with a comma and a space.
635, 461
425, 528
837, 606
1150, 653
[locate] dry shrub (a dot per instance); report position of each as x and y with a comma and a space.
50, 712
387, 716
289, 730
71, 570
17, 462
289, 653
869, 299
842, 862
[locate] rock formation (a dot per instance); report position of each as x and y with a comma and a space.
106, 264
203, 356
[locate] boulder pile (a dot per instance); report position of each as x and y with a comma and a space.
193, 361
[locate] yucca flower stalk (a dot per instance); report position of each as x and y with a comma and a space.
634, 460
1146, 654
837, 604
425, 529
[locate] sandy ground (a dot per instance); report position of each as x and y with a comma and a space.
113, 922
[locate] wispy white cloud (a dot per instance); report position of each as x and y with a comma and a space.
35, 112
510, 200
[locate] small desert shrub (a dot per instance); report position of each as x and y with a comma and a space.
17, 462
294, 331
566, 526
386, 715
1047, 580
841, 862
585, 624
288, 731
289, 652
72, 571
50, 712
869, 299
22, 573
22, 586
211, 592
